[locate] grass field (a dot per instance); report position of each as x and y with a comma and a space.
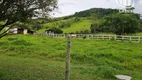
81, 25
43, 58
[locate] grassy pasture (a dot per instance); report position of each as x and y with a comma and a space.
43, 58
81, 25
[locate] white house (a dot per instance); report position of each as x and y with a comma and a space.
18, 30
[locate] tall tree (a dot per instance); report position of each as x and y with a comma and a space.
12, 11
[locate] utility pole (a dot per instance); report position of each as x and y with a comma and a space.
67, 71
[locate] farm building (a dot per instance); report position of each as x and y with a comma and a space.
19, 30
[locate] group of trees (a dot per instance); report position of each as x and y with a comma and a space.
12, 11
118, 24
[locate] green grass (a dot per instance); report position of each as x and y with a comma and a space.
138, 34
81, 25
57, 23
43, 58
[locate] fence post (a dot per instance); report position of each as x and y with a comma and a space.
122, 38
115, 38
103, 37
97, 37
109, 37
130, 39
64, 36
67, 71
139, 39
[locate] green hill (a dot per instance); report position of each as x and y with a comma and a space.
71, 25
79, 22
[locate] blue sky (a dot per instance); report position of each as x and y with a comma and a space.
68, 7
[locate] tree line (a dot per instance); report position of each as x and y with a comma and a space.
118, 23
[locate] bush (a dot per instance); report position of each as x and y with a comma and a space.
55, 30
76, 19
84, 37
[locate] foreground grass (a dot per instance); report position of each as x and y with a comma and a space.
14, 68
43, 58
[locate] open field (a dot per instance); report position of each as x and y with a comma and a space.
80, 26
43, 58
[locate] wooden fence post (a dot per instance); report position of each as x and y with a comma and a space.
109, 37
67, 71
130, 39
139, 39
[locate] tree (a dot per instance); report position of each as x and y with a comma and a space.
141, 26
121, 23
96, 27
97, 23
12, 11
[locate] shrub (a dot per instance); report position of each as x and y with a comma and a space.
55, 30
84, 37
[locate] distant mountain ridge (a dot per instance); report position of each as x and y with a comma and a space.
99, 11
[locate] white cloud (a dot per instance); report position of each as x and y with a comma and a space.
67, 7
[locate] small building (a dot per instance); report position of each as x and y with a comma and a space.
19, 30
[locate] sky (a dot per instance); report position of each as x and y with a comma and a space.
69, 7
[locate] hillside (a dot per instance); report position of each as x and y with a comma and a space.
43, 58
71, 25
80, 22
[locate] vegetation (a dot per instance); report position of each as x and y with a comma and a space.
72, 25
118, 24
97, 20
55, 30
31, 57
99, 11
80, 22
12, 11
37, 57
138, 34
78, 27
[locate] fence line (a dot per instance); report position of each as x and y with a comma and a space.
98, 37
